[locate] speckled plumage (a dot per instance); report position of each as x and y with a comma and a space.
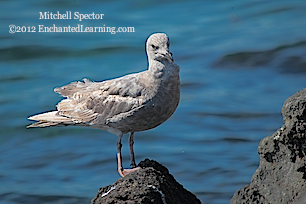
132, 103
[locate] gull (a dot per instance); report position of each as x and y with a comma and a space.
128, 104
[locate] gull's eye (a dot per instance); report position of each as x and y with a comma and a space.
154, 47
168, 44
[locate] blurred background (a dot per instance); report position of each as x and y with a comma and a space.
240, 60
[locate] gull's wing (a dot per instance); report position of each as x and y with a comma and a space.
95, 102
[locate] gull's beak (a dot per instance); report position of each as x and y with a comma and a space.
168, 56
171, 58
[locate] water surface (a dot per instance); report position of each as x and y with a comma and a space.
240, 60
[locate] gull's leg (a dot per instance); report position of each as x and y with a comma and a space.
119, 157
131, 143
121, 171
132, 157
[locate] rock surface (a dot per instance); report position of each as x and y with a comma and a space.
151, 184
281, 175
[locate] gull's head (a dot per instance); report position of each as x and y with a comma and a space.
158, 47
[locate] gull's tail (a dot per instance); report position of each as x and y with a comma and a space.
49, 119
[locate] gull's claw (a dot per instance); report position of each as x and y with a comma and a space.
124, 172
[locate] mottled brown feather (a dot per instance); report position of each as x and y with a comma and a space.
131, 103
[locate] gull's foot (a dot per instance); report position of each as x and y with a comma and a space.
124, 172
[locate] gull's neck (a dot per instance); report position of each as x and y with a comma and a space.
162, 69
157, 68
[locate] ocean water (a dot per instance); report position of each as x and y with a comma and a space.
240, 60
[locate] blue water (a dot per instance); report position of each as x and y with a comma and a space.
240, 60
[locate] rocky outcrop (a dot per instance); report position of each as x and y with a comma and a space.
151, 184
281, 175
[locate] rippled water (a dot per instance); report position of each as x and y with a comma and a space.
240, 60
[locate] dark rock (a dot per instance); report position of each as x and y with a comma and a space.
281, 175
151, 184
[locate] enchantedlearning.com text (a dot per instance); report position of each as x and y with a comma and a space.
69, 29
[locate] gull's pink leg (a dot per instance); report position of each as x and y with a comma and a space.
119, 158
132, 157
121, 171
